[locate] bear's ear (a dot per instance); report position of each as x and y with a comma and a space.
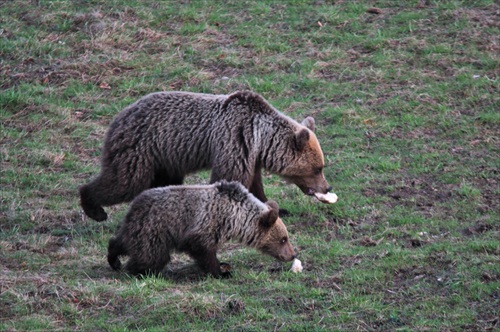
309, 123
269, 218
301, 139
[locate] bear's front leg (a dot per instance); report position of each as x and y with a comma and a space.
249, 177
207, 260
256, 187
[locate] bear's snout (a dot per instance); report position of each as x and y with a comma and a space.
288, 255
286, 258
325, 189
312, 185
321, 190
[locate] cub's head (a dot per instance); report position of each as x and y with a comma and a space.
274, 235
306, 170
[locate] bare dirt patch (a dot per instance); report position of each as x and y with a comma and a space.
424, 193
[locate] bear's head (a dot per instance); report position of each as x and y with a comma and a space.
306, 169
274, 239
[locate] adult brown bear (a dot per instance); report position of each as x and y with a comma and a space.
164, 136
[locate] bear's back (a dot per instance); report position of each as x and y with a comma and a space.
199, 203
158, 107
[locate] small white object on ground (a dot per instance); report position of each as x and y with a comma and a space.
296, 266
329, 198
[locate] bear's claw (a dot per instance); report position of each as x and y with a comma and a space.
225, 270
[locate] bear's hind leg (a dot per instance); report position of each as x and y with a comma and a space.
154, 266
90, 204
115, 249
107, 189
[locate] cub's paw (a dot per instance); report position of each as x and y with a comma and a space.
225, 269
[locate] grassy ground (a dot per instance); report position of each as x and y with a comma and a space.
406, 99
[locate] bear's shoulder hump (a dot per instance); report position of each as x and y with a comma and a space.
253, 101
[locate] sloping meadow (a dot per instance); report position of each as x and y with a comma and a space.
406, 101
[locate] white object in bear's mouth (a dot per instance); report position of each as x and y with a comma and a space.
329, 198
296, 266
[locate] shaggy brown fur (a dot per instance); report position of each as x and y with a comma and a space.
196, 220
164, 136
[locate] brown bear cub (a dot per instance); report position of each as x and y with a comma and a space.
196, 220
164, 136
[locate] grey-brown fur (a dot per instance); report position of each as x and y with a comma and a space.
164, 136
196, 220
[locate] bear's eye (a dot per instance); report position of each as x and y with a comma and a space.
317, 171
283, 240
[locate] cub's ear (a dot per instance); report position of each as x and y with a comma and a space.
301, 139
309, 123
269, 218
273, 205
